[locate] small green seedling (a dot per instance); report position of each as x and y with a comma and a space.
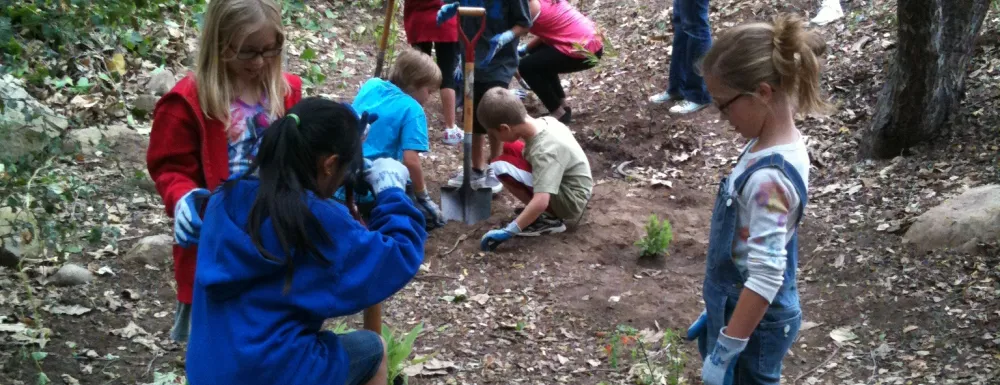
399, 348
657, 239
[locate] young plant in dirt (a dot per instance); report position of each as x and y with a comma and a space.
650, 365
399, 348
656, 242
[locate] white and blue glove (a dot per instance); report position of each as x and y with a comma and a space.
434, 217
386, 173
522, 50
718, 364
494, 238
497, 43
187, 220
446, 12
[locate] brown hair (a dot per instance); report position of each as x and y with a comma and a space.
226, 23
782, 54
414, 70
500, 106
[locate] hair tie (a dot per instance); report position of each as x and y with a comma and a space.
293, 116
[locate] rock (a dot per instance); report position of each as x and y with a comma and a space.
13, 244
144, 104
26, 126
153, 250
959, 222
72, 275
118, 139
160, 82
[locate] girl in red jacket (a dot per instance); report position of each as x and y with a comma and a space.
423, 32
208, 127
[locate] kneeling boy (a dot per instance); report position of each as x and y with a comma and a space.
542, 165
400, 132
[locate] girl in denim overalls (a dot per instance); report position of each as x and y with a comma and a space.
759, 76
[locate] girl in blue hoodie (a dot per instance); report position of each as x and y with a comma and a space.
277, 257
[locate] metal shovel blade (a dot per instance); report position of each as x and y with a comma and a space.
466, 204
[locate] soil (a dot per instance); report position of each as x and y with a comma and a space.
539, 310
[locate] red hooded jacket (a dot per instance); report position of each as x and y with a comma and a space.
188, 151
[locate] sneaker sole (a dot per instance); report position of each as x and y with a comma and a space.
550, 230
704, 106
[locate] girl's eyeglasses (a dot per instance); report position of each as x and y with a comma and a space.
724, 106
250, 55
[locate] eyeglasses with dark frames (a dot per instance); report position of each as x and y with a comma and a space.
250, 55
724, 106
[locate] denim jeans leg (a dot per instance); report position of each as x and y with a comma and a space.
678, 71
699, 40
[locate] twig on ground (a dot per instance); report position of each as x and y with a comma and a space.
459, 240
422, 277
836, 349
874, 368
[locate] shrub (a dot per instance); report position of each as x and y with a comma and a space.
657, 239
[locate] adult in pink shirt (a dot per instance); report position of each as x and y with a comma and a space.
561, 33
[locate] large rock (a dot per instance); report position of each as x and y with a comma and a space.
144, 104
960, 222
26, 126
118, 139
72, 275
153, 250
14, 245
160, 82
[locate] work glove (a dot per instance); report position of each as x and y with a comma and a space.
698, 327
497, 43
386, 173
494, 238
187, 219
447, 12
717, 368
355, 177
522, 50
434, 217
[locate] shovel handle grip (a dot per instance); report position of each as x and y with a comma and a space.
472, 11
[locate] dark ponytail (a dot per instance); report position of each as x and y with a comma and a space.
287, 162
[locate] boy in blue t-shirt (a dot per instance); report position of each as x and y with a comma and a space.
400, 132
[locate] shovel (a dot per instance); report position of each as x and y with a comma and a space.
465, 203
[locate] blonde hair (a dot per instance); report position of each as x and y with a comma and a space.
500, 106
414, 70
782, 54
226, 22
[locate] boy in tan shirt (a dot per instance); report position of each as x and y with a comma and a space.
542, 165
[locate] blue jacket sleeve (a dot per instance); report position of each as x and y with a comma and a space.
385, 257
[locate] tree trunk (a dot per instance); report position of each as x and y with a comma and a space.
927, 77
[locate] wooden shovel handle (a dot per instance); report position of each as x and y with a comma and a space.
373, 319
472, 11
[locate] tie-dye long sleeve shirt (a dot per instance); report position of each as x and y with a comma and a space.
768, 207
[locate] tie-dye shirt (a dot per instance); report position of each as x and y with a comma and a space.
246, 128
768, 207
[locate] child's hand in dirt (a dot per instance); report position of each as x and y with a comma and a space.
187, 220
718, 364
494, 238
496, 43
434, 217
386, 173
447, 12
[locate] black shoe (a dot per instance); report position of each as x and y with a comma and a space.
545, 224
567, 115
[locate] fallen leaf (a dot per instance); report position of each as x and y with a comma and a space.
85, 101
614, 298
910, 329
843, 334
808, 325
480, 298
69, 380
129, 331
69, 309
117, 64
562, 360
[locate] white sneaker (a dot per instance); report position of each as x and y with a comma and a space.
829, 12
664, 97
686, 107
490, 180
453, 136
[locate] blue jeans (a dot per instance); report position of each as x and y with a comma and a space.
692, 39
364, 350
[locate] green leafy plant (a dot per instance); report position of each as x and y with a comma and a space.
650, 364
657, 239
399, 347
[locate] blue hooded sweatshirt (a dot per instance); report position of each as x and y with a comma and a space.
246, 330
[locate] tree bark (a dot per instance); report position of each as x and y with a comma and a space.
927, 77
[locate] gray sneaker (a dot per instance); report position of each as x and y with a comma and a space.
476, 179
491, 181
545, 224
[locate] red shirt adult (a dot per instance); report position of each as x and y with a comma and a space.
187, 151
420, 23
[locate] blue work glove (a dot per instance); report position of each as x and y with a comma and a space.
718, 364
386, 173
522, 50
698, 327
447, 12
187, 220
494, 238
496, 43
434, 217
